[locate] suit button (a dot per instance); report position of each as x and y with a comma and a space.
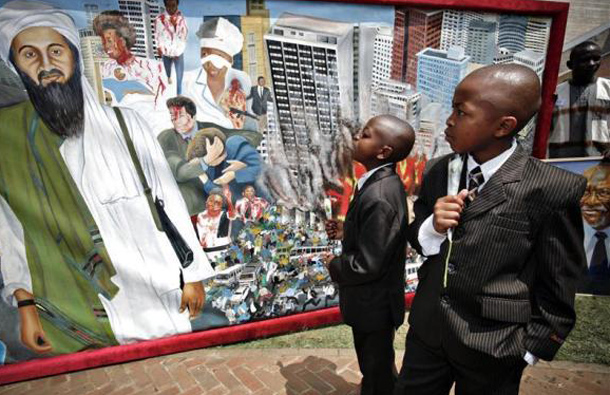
445, 299
451, 269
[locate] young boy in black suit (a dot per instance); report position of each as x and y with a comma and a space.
371, 269
504, 254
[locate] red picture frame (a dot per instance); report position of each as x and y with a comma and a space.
557, 11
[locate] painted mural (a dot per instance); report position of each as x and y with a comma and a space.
168, 166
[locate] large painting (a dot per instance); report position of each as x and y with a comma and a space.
137, 133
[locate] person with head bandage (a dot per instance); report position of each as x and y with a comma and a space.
219, 41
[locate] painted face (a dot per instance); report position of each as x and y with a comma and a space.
585, 62
182, 120
249, 192
114, 44
214, 205
471, 126
261, 82
595, 203
44, 55
368, 143
209, 68
171, 6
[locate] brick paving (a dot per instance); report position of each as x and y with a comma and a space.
282, 371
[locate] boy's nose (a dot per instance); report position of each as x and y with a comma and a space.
449, 121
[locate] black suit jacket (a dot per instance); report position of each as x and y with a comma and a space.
516, 259
259, 103
371, 269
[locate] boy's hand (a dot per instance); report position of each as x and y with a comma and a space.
447, 211
329, 256
193, 297
334, 229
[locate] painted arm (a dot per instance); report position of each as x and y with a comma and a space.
17, 280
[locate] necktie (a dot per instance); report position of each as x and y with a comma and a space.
476, 179
598, 269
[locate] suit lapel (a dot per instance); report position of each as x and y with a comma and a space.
378, 175
493, 192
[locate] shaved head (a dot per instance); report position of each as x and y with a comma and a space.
510, 90
397, 134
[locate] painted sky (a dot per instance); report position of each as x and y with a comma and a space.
195, 10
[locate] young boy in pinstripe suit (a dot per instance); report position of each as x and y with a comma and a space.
504, 254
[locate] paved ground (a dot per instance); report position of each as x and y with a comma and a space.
285, 371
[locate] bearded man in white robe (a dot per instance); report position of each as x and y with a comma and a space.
82, 258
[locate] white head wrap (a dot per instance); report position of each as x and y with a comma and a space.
106, 164
219, 33
19, 15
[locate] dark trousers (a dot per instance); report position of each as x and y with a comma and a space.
429, 371
179, 63
375, 351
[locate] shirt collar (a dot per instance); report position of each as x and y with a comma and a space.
190, 134
490, 167
363, 178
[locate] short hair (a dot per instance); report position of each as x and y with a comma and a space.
114, 19
183, 101
165, 2
260, 77
582, 46
197, 148
218, 192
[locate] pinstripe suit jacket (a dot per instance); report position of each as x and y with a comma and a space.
517, 256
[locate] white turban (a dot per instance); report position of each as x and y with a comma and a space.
19, 15
108, 168
219, 33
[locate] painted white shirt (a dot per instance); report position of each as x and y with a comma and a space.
196, 88
171, 40
590, 240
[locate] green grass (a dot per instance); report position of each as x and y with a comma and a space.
589, 342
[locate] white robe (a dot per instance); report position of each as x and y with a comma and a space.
147, 303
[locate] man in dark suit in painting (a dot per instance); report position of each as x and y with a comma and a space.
260, 95
504, 248
595, 205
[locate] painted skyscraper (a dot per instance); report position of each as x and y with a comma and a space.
311, 88
93, 56
414, 30
481, 43
439, 72
141, 15
511, 32
537, 34
398, 99
254, 26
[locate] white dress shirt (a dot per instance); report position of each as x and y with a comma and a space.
429, 239
363, 178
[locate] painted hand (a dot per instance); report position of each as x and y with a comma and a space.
225, 178
31, 332
193, 297
234, 165
214, 152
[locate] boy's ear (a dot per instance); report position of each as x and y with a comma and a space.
385, 152
569, 64
507, 126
